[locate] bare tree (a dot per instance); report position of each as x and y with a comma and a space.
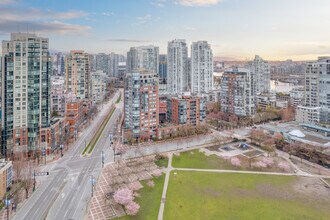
26, 176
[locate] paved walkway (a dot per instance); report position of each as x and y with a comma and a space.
167, 178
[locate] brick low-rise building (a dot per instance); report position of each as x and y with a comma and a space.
74, 114
6, 176
185, 109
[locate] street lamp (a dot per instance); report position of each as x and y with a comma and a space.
7, 203
75, 134
114, 148
92, 184
61, 147
34, 180
102, 158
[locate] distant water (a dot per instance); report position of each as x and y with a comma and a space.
281, 86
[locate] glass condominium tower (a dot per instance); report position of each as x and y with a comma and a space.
25, 92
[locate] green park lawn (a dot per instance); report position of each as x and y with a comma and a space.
198, 160
149, 201
327, 180
215, 196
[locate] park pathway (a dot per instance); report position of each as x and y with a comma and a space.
167, 178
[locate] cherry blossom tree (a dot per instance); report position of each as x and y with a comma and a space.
259, 164
268, 161
123, 196
132, 208
135, 186
284, 166
150, 183
157, 173
235, 161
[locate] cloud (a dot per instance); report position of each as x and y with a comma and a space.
144, 19
7, 2
159, 3
190, 28
56, 27
108, 14
197, 2
39, 21
22, 14
129, 41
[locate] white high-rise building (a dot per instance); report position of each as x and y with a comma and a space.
260, 75
201, 67
116, 61
177, 67
317, 87
143, 57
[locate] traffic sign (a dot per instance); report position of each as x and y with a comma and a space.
7, 202
41, 174
93, 181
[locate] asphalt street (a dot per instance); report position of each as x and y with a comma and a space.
66, 192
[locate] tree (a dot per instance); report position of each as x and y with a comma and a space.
135, 186
268, 161
259, 164
292, 149
269, 145
235, 161
157, 173
279, 141
284, 166
258, 136
26, 177
151, 183
123, 196
132, 208
288, 114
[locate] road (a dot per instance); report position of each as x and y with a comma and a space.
65, 193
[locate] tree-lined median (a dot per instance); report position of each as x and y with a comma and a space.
90, 146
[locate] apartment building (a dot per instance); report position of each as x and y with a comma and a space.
177, 67
236, 95
25, 92
185, 109
141, 106
77, 68
201, 68
143, 57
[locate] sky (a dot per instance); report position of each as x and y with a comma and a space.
236, 29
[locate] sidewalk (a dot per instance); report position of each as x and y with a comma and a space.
167, 178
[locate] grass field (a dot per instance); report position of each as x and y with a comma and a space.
149, 201
196, 159
196, 195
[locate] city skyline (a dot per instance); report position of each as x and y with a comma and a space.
236, 29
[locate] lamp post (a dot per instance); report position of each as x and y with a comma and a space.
75, 134
92, 184
34, 180
102, 158
7, 203
61, 147
114, 149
